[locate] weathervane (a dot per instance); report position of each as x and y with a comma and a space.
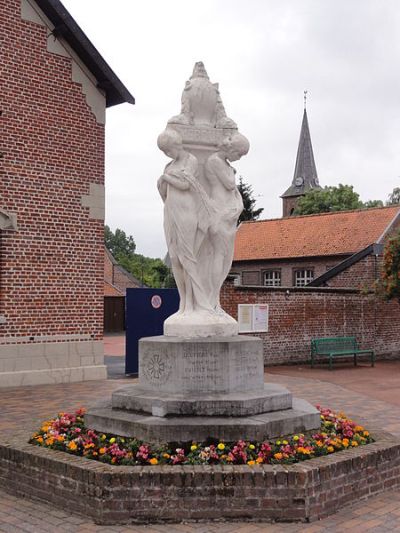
305, 99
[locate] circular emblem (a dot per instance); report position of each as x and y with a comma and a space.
156, 301
157, 368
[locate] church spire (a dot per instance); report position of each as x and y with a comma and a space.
305, 172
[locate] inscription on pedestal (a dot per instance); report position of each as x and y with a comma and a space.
201, 368
246, 369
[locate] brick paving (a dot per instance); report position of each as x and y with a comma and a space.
371, 396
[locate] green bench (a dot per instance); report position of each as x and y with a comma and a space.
337, 347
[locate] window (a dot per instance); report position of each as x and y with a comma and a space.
272, 278
303, 277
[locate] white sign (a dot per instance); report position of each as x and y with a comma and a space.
253, 318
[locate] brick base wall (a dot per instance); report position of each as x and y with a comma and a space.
110, 494
296, 315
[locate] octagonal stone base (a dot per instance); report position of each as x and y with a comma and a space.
300, 418
271, 397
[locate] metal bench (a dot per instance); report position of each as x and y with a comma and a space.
338, 347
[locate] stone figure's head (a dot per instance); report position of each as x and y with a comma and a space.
235, 146
170, 142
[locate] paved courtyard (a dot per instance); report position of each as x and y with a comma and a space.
369, 395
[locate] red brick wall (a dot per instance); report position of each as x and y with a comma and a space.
297, 317
52, 267
361, 275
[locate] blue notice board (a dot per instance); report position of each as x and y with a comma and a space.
146, 310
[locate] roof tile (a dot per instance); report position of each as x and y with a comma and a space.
343, 232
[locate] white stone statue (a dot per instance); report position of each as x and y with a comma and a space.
226, 196
201, 207
186, 220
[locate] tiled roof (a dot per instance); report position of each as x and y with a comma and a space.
344, 232
111, 290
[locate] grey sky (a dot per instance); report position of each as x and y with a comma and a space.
264, 54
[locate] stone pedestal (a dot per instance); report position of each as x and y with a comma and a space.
193, 389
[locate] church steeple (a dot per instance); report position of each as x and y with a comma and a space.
305, 172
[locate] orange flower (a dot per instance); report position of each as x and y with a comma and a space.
330, 449
251, 463
72, 446
102, 451
153, 461
354, 443
278, 456
259, 460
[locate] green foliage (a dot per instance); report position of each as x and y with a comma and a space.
390, 280
372, 203
152, 272
328, 199
248, 213
394, 197
118, 243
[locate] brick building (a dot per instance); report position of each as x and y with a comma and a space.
116, 281
341, 249
54, 89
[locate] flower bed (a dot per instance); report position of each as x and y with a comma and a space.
68, 433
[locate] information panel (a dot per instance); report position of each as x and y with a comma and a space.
253, 318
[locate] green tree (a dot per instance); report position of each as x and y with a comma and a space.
372, 203
152, 272
390, 279
329, 199
248, 213
119, 244
394, 197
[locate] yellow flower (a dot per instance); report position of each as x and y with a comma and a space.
193, 448
278, 456
330, 449
354, 443
285, 442
366, 433
221, 446
166, 455
252, 447
72, 445
103, 437
358, 429
112, 440
296, 437
319, 443
278, 442
153, 461
251, 463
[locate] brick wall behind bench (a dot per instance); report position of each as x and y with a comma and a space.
297, 316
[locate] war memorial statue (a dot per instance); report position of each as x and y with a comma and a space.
201, 378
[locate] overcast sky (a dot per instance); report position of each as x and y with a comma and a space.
263, 53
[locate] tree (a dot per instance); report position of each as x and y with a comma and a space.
248, 213
152, 272
329, 199
118, 243
394, 197
390, 279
